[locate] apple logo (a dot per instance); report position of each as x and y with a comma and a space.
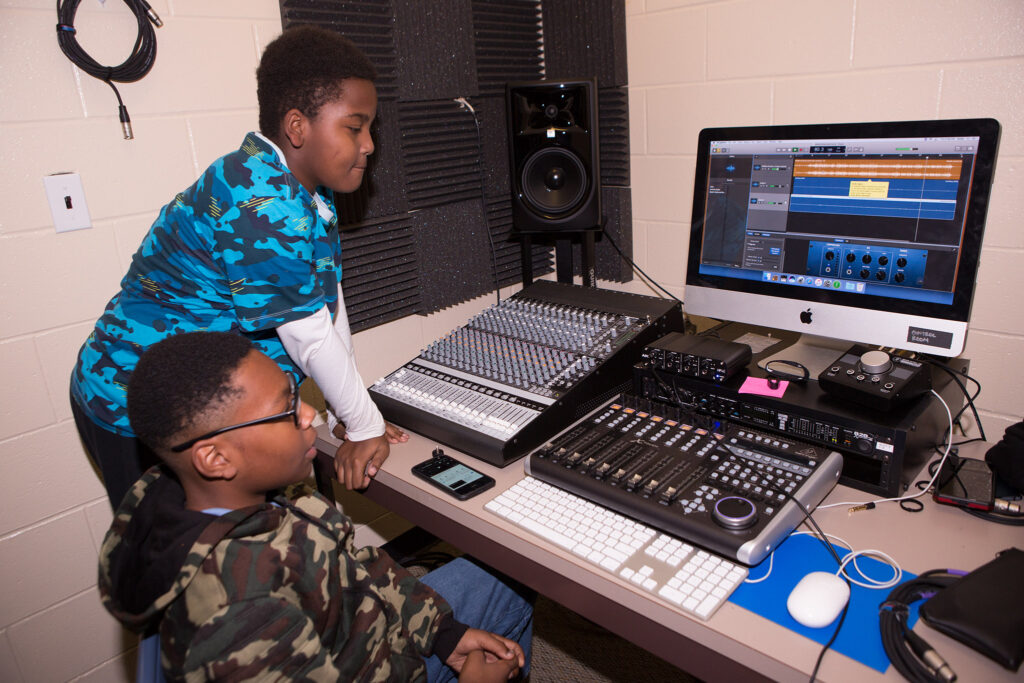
805, 317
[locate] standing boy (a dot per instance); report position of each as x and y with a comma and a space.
245, 582
252, 247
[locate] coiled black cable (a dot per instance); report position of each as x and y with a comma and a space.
909, 653
137, 65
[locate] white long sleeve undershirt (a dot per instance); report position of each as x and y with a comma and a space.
324, 352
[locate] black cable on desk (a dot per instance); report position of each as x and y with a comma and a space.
846, 607
137, 65
828, 544
909, 653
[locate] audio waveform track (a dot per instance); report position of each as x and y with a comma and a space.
522, 369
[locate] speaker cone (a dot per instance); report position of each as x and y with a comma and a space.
553, 181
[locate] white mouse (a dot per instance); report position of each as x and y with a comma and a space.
818, 599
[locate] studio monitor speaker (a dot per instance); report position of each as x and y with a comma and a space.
553, 155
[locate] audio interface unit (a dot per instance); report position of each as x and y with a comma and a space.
881, 450
708, 358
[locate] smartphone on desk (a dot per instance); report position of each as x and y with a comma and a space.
451, 476
966, 482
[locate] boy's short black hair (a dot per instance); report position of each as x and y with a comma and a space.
181, 380
303, 69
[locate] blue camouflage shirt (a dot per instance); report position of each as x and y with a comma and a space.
246, 249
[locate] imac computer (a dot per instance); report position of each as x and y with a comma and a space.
865, 233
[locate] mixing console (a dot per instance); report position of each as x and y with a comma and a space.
520, 370
730, 493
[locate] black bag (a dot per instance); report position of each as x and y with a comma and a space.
985, 609
1006, 458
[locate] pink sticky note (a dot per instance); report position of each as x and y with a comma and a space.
759, 385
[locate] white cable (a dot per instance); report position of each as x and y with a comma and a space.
771, 562
949, 443
851, 557
897, 572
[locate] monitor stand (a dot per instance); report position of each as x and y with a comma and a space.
813, 352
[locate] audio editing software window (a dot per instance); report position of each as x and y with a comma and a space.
875, 216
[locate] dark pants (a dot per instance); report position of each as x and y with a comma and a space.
120, 459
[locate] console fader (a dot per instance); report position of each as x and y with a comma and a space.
522, 369
730, 493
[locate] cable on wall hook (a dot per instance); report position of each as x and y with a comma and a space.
137, 65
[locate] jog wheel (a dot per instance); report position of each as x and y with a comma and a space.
734, 512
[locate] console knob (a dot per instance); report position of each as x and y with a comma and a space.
734, 512
875, 362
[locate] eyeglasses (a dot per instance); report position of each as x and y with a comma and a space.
292, 412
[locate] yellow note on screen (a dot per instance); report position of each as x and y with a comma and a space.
869, 189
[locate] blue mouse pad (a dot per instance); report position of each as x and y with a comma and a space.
800, 554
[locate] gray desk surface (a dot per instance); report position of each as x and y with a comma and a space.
734, 642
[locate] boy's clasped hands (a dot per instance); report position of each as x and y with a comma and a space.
483, 657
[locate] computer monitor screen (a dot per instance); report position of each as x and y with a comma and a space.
867, 232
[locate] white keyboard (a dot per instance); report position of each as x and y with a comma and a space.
687, 578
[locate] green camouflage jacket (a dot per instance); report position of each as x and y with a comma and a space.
270, 591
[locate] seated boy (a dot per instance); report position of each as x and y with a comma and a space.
245, 582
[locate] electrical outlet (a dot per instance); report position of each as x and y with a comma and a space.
67, 201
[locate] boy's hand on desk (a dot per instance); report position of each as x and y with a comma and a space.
477, 669
502, 657
394, 434
357, 461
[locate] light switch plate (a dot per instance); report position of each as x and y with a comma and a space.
67, 201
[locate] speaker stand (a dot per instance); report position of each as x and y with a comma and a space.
526, 258
589, 261
563, 258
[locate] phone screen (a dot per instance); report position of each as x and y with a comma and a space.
451, 476
457, 476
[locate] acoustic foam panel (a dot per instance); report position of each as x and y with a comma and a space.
617, 205
440, 153
426, 174
494, 145
454, 254
508, 249
509, 43
613, 138
585, 38
435, 49
367, 23
379, 272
